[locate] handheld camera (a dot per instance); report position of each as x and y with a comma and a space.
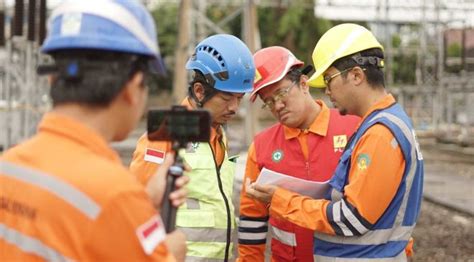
179, 126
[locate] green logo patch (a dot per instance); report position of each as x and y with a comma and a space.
363, 161
277, 155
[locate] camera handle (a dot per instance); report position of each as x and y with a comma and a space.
168, 211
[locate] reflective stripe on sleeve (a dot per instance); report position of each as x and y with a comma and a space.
253, 230
353, 219
53, 185
30, 245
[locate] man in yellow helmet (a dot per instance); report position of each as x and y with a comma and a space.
375, 196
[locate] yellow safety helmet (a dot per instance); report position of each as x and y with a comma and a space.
339, 41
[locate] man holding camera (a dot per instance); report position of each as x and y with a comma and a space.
223, 71
306, 143
64, 193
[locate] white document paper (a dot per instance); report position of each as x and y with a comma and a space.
316, 190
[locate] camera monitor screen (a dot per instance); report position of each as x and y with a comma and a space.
179, 124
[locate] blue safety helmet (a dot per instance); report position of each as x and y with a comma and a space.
226, 63
110, 25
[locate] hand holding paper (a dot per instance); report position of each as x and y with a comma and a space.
316, 190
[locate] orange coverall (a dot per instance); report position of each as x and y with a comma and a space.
66, 196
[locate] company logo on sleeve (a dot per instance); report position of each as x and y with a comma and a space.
363, 161
151, 234
154, 156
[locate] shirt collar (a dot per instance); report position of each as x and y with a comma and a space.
385, 102
76, 131
319, 126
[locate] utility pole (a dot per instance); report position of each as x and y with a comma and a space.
42, 22
251, 35
180, 80
31, 33
388, 45
201, 26
439, 101
421, 57
2, 23
17, 23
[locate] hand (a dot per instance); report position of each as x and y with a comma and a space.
156, 185
176, 243
261, 193
178, 197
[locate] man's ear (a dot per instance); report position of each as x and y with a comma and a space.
358, 75
133, 89
304, 83
199, 91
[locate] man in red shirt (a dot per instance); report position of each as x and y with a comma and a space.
306, 143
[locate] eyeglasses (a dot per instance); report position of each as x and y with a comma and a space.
327, 79
269, 104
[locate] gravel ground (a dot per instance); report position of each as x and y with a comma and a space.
443, 235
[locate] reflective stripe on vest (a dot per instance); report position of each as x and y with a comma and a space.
285, 237
192, 203
375, 237
53, 185
402, 257
204, 234
30, 245
202, 259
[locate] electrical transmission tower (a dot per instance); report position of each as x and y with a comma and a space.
23, 96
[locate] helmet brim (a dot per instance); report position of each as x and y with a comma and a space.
317, 80
157, 66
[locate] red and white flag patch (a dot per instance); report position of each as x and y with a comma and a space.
155, 156
151, 234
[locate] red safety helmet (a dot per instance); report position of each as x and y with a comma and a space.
272, 64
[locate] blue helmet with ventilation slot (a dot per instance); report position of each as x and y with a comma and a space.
226, 63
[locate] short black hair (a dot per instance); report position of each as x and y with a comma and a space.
373, 72
93, 77
294, 75
198, 77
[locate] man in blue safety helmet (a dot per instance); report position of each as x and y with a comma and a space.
65, 195
223, 71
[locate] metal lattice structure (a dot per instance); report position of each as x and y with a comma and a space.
23, 94
438, 101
